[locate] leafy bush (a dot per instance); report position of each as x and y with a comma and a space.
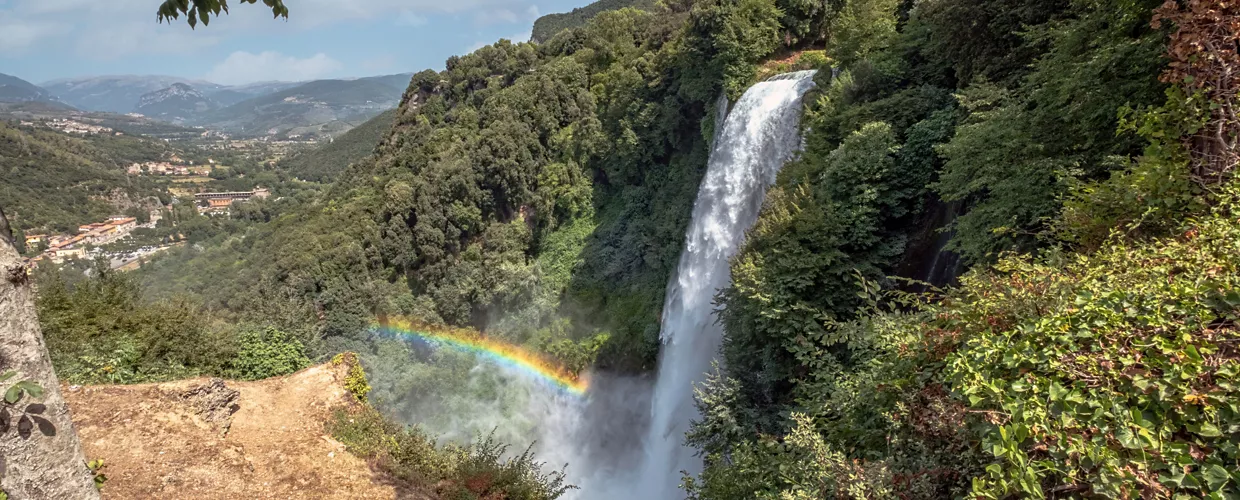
99, 330
268, 352
1114, 374
355, 382
1111, 375
474, 471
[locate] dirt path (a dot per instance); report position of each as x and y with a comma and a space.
158, 444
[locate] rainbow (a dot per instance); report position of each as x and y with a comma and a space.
498, 351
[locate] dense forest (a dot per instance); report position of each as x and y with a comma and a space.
549, 25
324, 163
1075, 154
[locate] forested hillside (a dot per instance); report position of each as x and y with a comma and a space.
54, 181
324, 163
1079, 150
549, 25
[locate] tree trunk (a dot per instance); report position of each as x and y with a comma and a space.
37, 461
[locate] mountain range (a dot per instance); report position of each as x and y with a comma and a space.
14, 89
319, 107
121, 94
176, 104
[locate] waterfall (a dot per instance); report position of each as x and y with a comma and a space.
757, 137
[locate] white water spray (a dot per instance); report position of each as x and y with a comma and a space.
758, 136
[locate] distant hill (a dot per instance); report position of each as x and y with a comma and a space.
316, 108
547, 26
322, 107
176, 104
115, 94
133, 125
14, 89
227, 96
58, 181
324, 163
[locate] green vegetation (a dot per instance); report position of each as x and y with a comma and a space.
1089, 352
541, 193
1111, 374
481, 469
549, 25
267, 353
100, 330
324, 163
55, 181
537, 192
204, 9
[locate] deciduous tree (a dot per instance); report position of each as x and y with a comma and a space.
202, 10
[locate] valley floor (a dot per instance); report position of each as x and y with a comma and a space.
167, 440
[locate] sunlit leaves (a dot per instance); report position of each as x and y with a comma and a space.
202, 10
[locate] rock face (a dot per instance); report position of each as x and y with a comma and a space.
40, 455
178, 104
214, 402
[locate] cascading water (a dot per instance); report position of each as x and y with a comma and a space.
594, 433
757, 137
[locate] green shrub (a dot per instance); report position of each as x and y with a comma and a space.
268, 352
1108, 375
1113, 374
474, 471
99, 330
355, 382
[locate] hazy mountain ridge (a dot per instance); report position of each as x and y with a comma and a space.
321, 107
14, 89
177, 103
318, 107
116, 94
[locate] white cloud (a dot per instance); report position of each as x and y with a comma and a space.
245, 67
309, 13
109, 30
495, 16
16, 37
523, 36
408, 18
106, 41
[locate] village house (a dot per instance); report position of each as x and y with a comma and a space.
35, 239
221, 202
62, 248
76, 127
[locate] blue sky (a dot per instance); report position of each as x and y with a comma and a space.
42, 40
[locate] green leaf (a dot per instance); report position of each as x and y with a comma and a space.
7, 375
1057, 391
13, 394
1216, 476
1205, 429
1127, 439
1173, 477
31, 388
